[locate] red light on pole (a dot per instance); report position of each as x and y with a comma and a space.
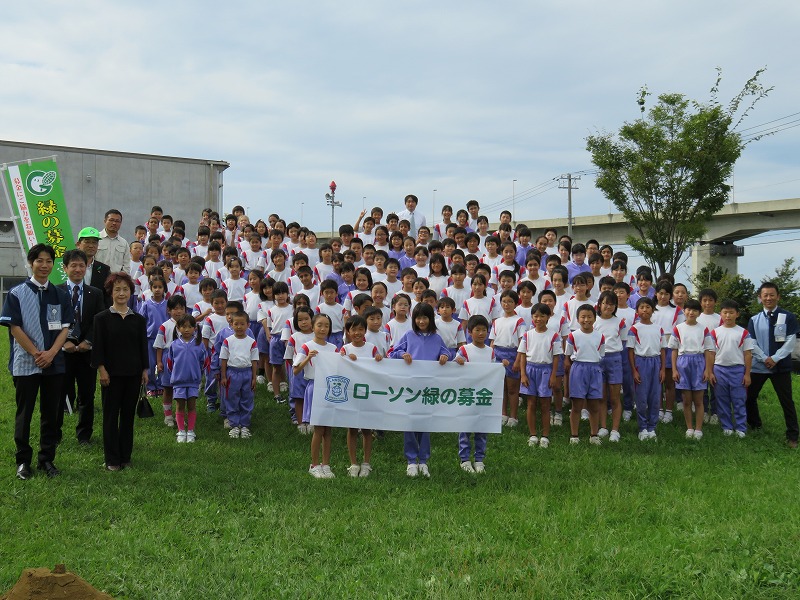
333, 186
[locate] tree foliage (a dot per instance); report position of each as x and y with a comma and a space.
666, 171
728, 287
788, 285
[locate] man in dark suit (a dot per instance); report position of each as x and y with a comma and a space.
96, 272
775, 332
87, 301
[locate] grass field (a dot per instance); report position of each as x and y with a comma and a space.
229, 518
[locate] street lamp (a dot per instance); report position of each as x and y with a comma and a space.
331, 201
514, 201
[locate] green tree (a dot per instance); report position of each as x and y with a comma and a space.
666, 171
728, 287
788, 286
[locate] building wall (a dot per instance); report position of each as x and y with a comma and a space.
97, 180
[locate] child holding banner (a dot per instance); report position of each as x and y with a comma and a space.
303, 362
421, 343
358, 347
476, 351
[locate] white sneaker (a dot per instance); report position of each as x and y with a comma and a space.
643, 435
466, 466
327, 473
270, 389
613, 436
244, 433
423, 470
595, 440
479, 467
667, 417
698, 434
226, 424
558, 419
727, 432
261, 380
301, 429
626, 415
190, 437
234, 432
169, 421
533, 441
181, 437
661, 415
574, 441
602, 432
544, 442
652, 435
412, 470
309, 428
690, 434
504, 419
365, 470
552, 418
706, 418
741, 434
284, 387
353, 470
679, 406
512, 422
316, 472
584, 415
714, 420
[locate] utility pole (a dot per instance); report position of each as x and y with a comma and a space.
514, 201
566, 182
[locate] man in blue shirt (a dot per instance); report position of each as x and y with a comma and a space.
38, 315
775, 332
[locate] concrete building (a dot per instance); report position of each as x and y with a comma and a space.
97, 180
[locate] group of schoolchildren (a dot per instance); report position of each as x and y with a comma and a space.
246, 304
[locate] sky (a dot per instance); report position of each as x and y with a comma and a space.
392, 98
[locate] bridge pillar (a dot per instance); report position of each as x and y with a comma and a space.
725, 255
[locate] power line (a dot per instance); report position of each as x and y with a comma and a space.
772, 131
768, 122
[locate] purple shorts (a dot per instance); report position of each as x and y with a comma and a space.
539, 380
510, 354
668, 359
277, 348
586, 381
185, 392
308, 396
337, 339
611, 364
298, 386
163, 377
562, 361
690, 369
262, 341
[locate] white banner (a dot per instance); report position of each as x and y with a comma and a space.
393, 396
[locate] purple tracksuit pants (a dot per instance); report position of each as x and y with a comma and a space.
417, 446
465, 446
648, 393
238, 396
731, 397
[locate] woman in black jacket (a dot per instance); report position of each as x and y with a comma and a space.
119, 354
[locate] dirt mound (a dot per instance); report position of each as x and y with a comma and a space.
52, 584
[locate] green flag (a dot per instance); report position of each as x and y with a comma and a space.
37, 199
